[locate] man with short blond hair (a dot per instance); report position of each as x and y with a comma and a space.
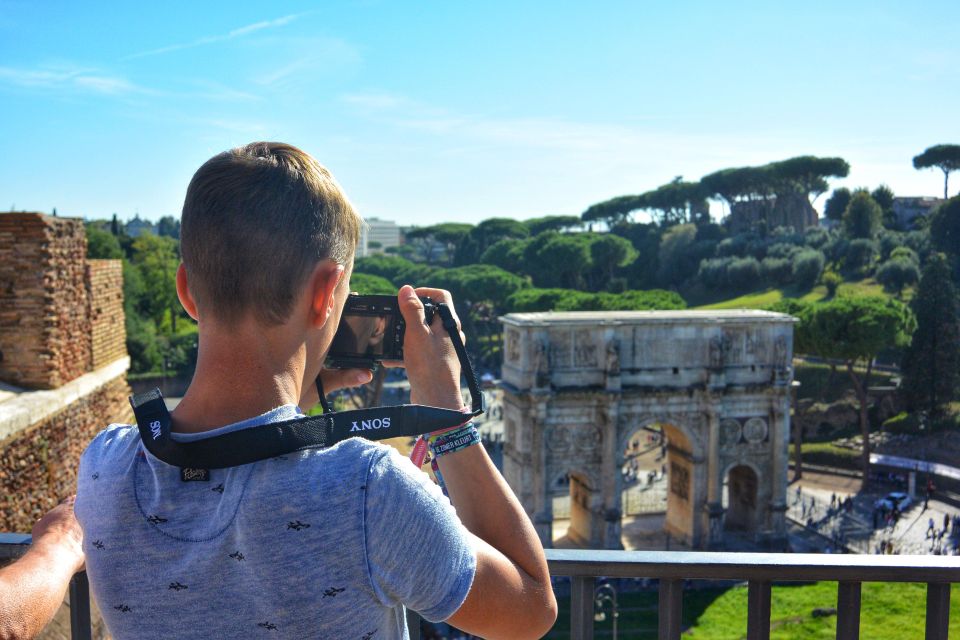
328, 543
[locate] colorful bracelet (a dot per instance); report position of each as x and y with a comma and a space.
465, 436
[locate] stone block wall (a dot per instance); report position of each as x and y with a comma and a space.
38, 465
44, 313
105, 300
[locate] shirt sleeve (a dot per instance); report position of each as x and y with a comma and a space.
418, 552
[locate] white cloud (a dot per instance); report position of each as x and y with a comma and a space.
70, 78
239, 32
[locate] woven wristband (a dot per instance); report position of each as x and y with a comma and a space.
454, 441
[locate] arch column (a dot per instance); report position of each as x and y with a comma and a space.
780, 436
714, 506
611, 481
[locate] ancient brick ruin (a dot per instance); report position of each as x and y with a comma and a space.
63, 359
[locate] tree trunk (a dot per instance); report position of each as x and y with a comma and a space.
376, 388
946, 179
860, 388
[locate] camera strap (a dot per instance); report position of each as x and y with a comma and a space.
309, 432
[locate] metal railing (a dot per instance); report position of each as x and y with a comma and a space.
759, 570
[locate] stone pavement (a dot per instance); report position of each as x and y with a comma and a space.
856, 529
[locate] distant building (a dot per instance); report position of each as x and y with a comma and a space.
136, 227
377, 236
907, 209
789, 210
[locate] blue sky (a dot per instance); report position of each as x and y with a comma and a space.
433, 111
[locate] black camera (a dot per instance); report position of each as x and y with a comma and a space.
371, 330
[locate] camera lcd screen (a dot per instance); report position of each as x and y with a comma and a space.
361, 335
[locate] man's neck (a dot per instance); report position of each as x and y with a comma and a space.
239, 377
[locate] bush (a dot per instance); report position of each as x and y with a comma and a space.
860, 254
889, 242
897, 273
807, 267
743, 273
829, 455
733, 246
369, 284
905, 253
713, 272
832, 281
526, 300
903, 422
782, 250
776, 271
816, 237
836, 248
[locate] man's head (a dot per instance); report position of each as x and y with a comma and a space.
256, 222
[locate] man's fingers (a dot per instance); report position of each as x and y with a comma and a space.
411, 307
334, 379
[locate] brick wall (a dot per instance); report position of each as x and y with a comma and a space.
45, 337
38, 466
63, 343
105, 301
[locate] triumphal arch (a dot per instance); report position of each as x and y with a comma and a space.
577, 386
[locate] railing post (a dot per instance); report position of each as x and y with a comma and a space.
848, 611
413, 624
938, 610
758, 610
670, 609
581, 608
80, 607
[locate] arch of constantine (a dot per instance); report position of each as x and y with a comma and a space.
577, 386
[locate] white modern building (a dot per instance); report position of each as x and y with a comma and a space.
378, 235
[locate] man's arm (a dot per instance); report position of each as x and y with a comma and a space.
511, 595
32, 588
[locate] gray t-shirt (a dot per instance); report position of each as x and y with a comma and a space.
329, 543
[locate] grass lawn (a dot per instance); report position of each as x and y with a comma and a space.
888, 611
761, 299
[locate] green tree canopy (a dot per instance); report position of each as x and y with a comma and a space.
863, 216
884, 196
676, 202
674, 253
447, 234
563, 259
397, 270
613, 211
854, 330
485, 235
369, 284
806, 174
101, 244
479, 282
945, 227
931, 364
837, 204
945, 157
609, 252
526, 300
552, 223
506, 254
157, 258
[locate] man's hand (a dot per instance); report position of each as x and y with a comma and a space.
32, 588
333, 380
429, 357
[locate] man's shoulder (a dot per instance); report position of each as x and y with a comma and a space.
114, 439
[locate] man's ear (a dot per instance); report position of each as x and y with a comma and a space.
323, 288
183, 292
